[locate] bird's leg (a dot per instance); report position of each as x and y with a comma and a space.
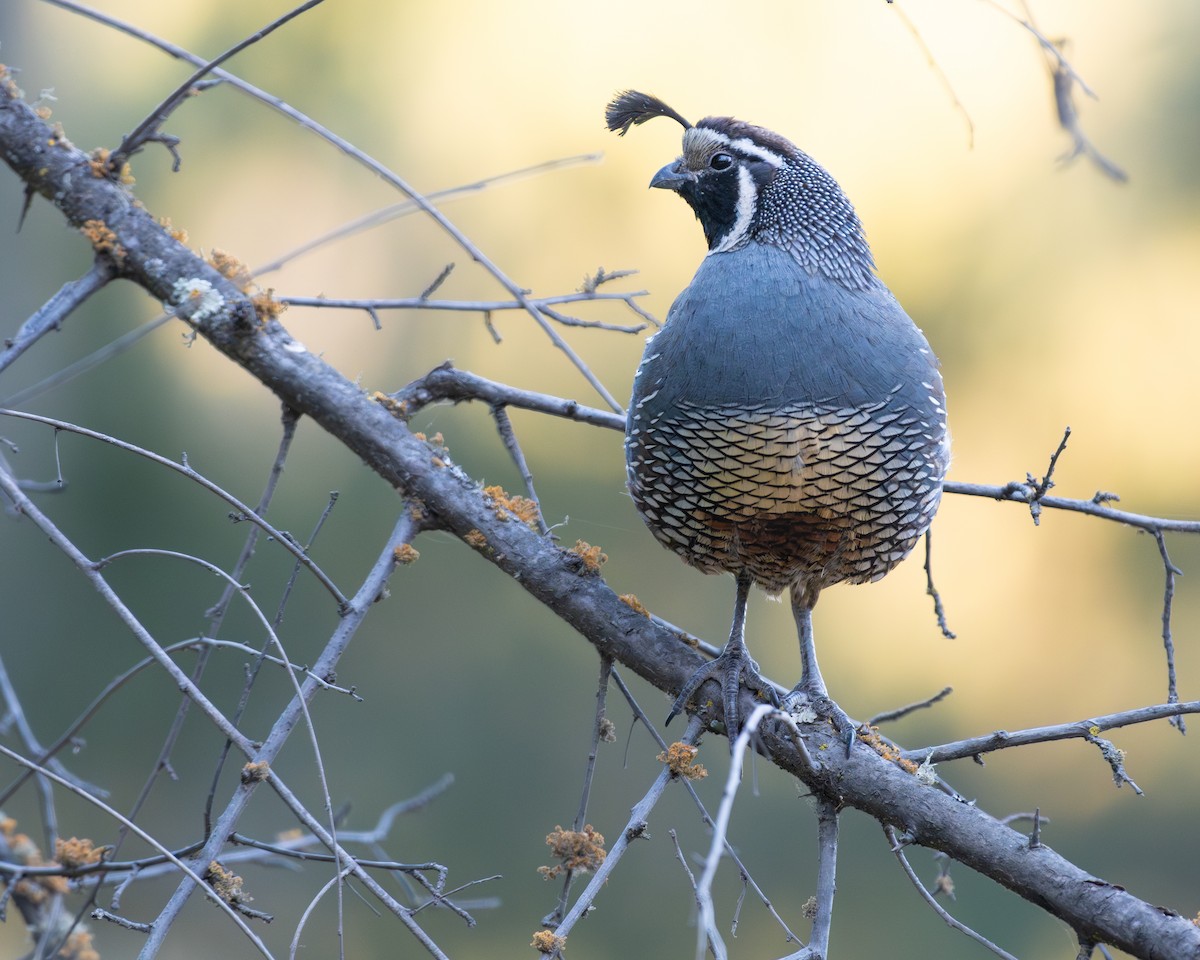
733, 664
812, 686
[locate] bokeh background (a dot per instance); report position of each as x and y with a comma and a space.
1054, 297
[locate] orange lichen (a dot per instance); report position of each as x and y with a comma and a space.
944, 886
77, 853
231, 268
22, 849
177, 233
579, 850
226, 884
593, 558
405, 554
103, 240
870, 736
522, 508
634, 604
78, 947
266, 307
680, 759
397, 408
546, 942
58, 138
256, 771
100, 162
474, 538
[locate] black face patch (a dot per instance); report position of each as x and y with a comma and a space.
727, 175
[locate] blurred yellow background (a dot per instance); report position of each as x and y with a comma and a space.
1053, 296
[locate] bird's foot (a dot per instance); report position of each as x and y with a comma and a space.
807, 704
729, 669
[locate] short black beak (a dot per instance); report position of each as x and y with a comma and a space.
672, 177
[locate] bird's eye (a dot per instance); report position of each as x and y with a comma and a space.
721, 161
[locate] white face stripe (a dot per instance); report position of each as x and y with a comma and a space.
746, 202
701, 139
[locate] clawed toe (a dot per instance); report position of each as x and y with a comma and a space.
820, 705
729, 670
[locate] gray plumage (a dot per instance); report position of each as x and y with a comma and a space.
788, 422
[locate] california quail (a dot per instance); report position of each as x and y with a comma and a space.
788, 422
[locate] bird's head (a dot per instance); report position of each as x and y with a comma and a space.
745, 183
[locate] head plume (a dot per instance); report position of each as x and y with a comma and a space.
631, 107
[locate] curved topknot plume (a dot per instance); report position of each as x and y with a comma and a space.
632, 107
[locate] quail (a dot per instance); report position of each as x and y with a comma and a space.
788, 422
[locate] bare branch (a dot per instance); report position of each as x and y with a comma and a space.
447, 383
243, 511
898, 850
634, 828
1076, 730
1021, 493
931, 591
904, 711
938, 71
388, 176
53, 312
1170, 572
142, 834
598, 727
148, 129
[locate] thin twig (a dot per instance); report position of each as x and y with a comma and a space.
70, 734
448, 383
387, 175
50, 315
634, 828
1064, 79
898, 850
580, 820
930, 590
216, 614
827, 852
147, 130
366, 222
544, 304
1077, 730
890, 715
938, 72
1039, 488
508, 437
362, 602
243, 511
705, 816
1171, 572
294, 853
1021, 493
403, 208
707, 934
130, 825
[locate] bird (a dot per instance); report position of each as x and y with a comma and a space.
788, 421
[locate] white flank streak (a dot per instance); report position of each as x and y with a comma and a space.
746, 202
